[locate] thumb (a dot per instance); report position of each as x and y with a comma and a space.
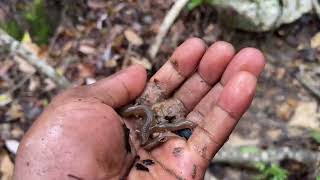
120, 88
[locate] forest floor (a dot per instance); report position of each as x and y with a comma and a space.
93, 40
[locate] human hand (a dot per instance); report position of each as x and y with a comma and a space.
80, 135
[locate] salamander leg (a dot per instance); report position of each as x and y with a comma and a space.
173, 126
163, 137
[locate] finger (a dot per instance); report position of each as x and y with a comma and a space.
120, 88
210, 69
248, 59
216, 127
180, 66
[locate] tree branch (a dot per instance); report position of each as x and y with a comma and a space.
15, 47
165, 26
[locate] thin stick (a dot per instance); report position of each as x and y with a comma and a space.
165, 26
15, 47
308, 83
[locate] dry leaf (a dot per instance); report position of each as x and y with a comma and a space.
306, 115
17, 133
133, 37
5, 66
24, 66
86, 49
315, 41
50, 85
97, 4
85, 70
34, 84
113, 62
6, 166
15, 111
285, 110
143, 61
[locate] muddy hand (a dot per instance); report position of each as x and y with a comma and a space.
80, 135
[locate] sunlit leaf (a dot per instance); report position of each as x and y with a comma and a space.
315, 135
249, 149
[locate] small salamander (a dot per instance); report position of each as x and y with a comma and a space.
147, 114
151, 124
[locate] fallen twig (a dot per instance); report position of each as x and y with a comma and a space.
236, 155
166, 24
15, 47
307, 82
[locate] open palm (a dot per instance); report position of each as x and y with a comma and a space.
81, 136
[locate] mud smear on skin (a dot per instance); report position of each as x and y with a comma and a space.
177, 152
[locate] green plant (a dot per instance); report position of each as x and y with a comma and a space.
37, 18
315, 135
271, 172
249, 149
12, 28
194, 3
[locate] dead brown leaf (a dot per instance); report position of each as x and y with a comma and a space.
133, 37
315, 41
15, 111
86, 49
6, 166
306, 115
141, 61
24, 66
85, 70
97, 4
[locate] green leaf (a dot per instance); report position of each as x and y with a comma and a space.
249, 149
315, 135
318, 177
194, 3
40, 27
26, 38
272, 172
5, 99
12, 28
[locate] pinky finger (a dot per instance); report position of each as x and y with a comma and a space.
210, 134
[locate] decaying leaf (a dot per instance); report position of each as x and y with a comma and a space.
86, 49
143, 61
6, 166
24, 66
96, 4
315, 41
133, 37
5, 66
49, 84
306, 115
15, 111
